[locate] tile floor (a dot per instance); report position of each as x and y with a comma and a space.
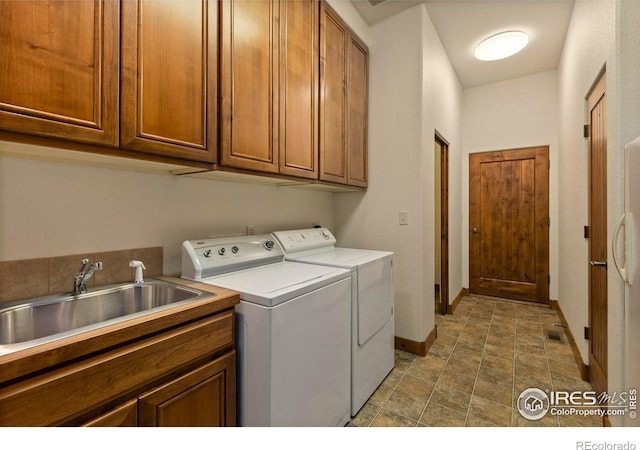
485, 355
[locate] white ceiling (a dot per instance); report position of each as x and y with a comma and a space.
461, 25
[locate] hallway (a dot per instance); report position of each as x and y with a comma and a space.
485, 355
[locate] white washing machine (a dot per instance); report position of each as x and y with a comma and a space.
292, 330
372, 329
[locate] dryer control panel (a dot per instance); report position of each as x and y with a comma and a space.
308, 239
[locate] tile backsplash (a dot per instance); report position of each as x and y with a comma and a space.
29, 278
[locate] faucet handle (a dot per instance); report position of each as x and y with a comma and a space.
84, 263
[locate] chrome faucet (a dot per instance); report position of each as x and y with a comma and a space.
83, 275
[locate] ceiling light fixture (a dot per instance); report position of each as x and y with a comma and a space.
501, 45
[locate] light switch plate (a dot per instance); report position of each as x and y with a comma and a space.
403, 217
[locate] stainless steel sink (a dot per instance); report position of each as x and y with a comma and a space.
46, 319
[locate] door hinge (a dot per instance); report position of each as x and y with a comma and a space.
586, 131
587, 333
586, 231
549, 164
548, 279
549, 221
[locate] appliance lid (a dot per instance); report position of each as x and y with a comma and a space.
276, 283
340, 257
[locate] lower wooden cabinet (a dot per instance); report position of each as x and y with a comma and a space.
125, 415
185, 376
204, 397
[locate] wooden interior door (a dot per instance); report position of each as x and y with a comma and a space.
442, 225
598, 237
509, 224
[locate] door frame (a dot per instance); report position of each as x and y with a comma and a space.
597, 373
443, 306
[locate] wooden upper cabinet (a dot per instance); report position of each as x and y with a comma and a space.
299, 86
334, 35
269, 86
60, 69
357, 107
249, 85
343, 102
169, 78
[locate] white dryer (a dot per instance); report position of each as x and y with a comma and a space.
292, 330
372, 329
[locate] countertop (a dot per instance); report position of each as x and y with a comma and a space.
53, 354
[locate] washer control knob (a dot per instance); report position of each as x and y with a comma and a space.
269, 245
221, 251
325, 234
207, 253
235, 249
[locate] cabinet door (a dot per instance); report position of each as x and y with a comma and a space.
357, 106
113, 374
60, 69
125, 415
333, 46
299, 85
204, 397
249, 84
169, 78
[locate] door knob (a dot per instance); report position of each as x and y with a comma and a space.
475, 230
598, 263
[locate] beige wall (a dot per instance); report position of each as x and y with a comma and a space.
56, 208
413, 92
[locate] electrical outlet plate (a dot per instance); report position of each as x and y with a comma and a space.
251, 230
403, 217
